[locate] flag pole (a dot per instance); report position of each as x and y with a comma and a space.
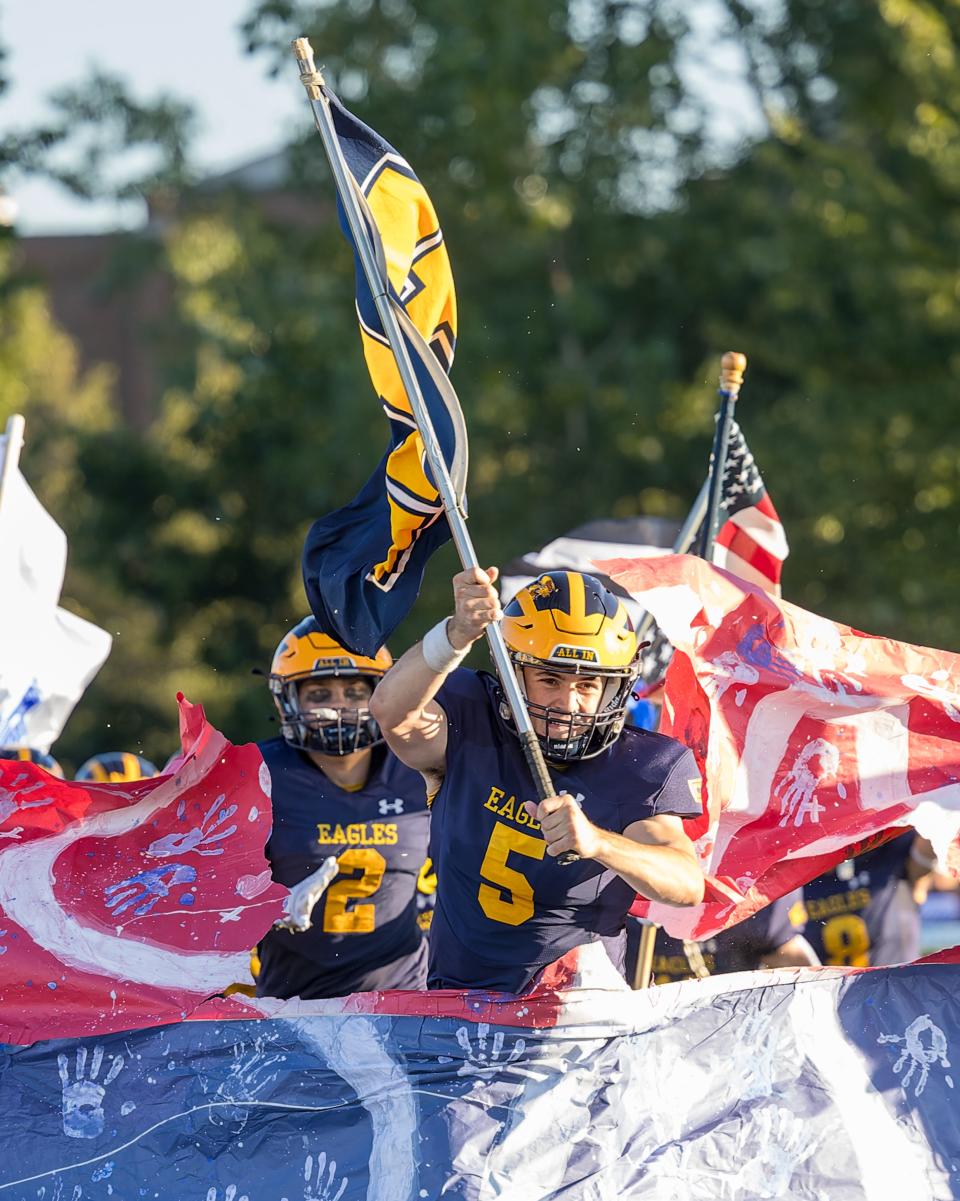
13, 444
732, 367
705, 509
313, 82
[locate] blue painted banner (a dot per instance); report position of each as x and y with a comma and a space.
820, 1085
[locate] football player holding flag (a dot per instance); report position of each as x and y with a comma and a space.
505, 907
339, 793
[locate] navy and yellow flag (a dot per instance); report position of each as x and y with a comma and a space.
363, 564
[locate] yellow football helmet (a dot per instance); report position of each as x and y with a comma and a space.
306, 653
570, 622
115, 767
26, 755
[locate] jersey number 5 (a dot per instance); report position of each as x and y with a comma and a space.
510, 883
361, 918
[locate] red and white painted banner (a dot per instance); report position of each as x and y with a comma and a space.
128, 904
811, 737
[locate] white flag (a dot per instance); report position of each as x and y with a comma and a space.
48, 656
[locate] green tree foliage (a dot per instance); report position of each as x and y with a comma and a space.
606, 252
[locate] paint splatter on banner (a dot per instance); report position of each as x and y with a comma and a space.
811, 737
127, 904
819, 1085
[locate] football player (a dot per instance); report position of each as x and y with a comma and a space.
862, 913
26, 755
338, 791
773, 937
113, 767
505, 907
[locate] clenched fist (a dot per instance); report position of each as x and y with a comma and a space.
565, 826
477, 605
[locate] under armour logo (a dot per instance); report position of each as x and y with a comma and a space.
390, 806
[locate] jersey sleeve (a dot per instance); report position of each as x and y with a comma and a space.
785, 918
459, 696
679, 795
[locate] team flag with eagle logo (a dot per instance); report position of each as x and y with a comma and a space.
363, 564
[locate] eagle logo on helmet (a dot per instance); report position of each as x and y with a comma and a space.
543, 587
566, 621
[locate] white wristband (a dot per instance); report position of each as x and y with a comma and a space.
439, 653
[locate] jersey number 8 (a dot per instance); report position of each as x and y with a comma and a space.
846, 941
510, 883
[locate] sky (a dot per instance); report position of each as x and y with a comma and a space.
191, 49
188, 48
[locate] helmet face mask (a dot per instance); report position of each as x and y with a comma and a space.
329, 730
569, 624
306, 654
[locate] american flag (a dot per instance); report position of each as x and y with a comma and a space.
750, 542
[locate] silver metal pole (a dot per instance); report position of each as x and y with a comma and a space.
13, 444
312, 81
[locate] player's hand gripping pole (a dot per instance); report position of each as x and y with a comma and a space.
732, 367
353, 206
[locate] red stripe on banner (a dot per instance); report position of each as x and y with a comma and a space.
742, 545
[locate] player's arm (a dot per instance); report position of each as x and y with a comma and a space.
922, 860
414, 727
795, 952
654, 856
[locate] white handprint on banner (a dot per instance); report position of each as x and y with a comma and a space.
146, 888
82, 1111
484, 1061
772, 1145
229, 1194
199, 838
320, 1181
58, 1193
798, 788
918, 1055
730, 669
253, 1069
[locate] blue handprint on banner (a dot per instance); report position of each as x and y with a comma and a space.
199, 837
146, 888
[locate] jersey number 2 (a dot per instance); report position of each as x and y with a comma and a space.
360, 919
510, 883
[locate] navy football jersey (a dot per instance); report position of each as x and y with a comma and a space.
742, 948
504, 907
862, 913
365, 933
